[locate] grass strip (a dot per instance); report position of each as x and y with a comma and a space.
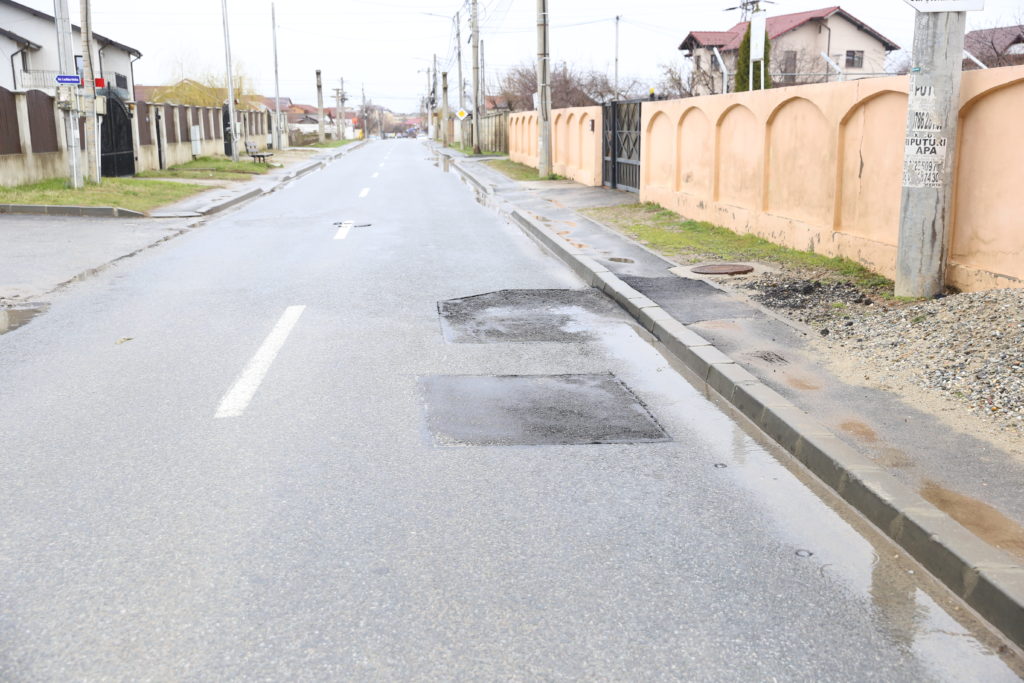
687, 241
207, 168
126, 193
332, 143
517, 171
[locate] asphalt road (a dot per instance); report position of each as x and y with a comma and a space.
258, 452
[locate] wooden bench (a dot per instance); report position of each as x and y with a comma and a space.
257, 156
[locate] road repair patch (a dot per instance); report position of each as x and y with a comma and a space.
535, 410
526, 315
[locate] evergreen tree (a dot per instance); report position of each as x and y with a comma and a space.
743, 65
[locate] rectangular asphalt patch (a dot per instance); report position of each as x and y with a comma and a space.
536, 410
690, 301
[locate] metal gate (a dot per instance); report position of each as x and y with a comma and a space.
117, 146
621, 146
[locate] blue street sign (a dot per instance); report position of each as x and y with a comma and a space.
68, 80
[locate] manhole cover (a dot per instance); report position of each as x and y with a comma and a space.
535, 410
525, 315
724, 269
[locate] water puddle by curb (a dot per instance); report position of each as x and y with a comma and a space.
13, 318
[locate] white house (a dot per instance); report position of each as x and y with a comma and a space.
798, 42
28, 53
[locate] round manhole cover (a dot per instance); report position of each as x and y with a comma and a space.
724, 269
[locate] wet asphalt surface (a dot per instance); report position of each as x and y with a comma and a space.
372, 514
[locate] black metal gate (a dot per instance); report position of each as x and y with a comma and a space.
621, 146
117, 146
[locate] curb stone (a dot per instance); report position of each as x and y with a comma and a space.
987, 579
69, 210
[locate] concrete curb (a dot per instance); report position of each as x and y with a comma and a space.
989, 580
56, 210
466, 175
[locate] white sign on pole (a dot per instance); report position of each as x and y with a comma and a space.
946, 5
758, 25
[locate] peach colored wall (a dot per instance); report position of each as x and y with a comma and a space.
819, 167
576, 149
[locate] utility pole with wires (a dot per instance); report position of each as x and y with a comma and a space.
320, 107
444, 109
92, 161
474, 17
66, 57
462, 89
231, 135
483, 80
343, 98
930, 146
277, 85
544, 87
618, 18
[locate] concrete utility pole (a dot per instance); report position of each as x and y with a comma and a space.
92, 157
66, 56
475, 26
277, 85
444, 109
462, 88
231, 134
617, 19
320, 106
433, 101
930, 153
339, 96
544, 86
483, 80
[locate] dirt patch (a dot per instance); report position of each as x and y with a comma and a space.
981, 519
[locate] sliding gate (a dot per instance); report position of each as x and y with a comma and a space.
621, 145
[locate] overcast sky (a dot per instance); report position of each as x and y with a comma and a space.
385, 44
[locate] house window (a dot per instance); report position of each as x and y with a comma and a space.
789, 67
855, 59
121, 81
696, 61
24, 60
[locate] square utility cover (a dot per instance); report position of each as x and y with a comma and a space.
534, 410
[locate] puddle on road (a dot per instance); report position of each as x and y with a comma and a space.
980, 518
13, 318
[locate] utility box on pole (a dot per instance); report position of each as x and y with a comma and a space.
930, 145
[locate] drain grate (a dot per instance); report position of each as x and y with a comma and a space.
536, 410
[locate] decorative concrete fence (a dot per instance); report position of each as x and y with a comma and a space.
819, 167
575, 142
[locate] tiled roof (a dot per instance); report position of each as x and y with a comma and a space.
777, 26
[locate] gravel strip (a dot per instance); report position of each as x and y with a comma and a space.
965, 347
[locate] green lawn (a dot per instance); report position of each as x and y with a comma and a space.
125, 193
689, 241
333, 143
210, 168
517, 171
468, 150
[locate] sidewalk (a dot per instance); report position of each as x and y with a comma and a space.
877, 450
43, 253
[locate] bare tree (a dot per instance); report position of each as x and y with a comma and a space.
673, 84
997, 46
570, 87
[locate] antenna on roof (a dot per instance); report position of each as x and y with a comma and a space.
748, 7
